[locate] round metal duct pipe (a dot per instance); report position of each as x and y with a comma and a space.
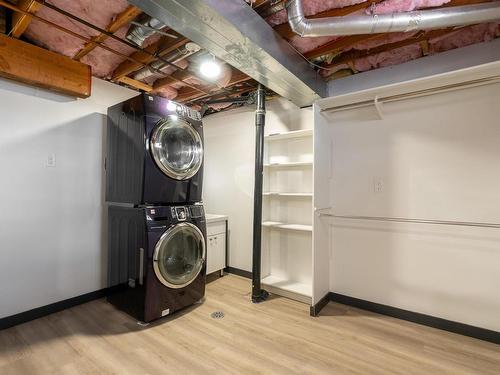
391, 22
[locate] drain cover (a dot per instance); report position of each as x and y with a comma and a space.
217, 315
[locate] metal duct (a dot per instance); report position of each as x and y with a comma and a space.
139, 32
180, 54
392, 22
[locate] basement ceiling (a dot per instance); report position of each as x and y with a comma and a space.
151, 66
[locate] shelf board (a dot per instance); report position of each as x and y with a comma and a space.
287, 288
289, 135
282, 194
286, 226
289, 164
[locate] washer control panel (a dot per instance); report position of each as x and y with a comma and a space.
181, 213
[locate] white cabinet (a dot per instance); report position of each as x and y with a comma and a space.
216, 242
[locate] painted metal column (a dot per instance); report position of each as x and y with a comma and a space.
258, 294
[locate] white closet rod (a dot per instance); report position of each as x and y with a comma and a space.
417, 221
415, 94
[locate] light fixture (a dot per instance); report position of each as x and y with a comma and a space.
210, 68
171, 106
174, 117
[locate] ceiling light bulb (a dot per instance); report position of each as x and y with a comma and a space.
171, 106
210, 69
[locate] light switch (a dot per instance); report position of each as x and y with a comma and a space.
378, 185
51, 160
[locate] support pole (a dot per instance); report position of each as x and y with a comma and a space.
258, 294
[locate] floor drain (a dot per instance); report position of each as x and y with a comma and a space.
217, 315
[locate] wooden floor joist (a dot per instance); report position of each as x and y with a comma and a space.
162, 47
26, 63
121, 20
20, 21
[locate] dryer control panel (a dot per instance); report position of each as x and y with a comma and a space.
164, 106
184, 111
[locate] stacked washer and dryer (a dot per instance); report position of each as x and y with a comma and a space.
156, 222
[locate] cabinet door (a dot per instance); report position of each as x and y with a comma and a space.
220, 244
216, 254
211, 254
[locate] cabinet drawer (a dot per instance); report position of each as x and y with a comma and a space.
216, 228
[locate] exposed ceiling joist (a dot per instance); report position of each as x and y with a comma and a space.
349, 56
26, 63
21, 21
176, 77
136, 84
121, 20
233, 32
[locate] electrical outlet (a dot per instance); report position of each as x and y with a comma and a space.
378, 185
51, 161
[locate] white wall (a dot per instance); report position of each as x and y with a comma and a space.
229, 167
436, 157
51, 229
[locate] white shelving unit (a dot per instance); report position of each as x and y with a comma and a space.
287, 215
289, 164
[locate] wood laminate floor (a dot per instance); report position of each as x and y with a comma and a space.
275, 337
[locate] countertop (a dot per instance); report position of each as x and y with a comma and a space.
211, 218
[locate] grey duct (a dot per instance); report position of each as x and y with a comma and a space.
142, 30
392, 22
180, 54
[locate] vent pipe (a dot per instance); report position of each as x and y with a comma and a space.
392, 22
140, 31
181, 53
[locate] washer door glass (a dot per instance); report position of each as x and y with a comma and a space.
177, 148
179, 255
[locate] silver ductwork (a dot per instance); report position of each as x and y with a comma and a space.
140, 31
180, 54
392, 22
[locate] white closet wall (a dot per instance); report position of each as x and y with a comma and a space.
434, 157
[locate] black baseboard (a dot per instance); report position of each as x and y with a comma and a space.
426, 320
239, 272
315, 309
39, 312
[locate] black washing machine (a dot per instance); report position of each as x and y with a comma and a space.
155, 152
157, 259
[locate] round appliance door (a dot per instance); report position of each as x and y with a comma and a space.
179, 255
177, 148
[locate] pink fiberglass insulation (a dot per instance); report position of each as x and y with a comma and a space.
167, 92
183, 64
104, 62
312, 7
381, 40
98, 12
304, 45
464, 37
328, 72
390, 6
388, 58
219, 106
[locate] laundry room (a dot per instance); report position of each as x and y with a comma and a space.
249, 186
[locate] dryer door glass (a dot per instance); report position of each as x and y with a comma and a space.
179, 255
176, 148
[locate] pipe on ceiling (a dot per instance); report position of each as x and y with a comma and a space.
391, 22
140, 31
182, 53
